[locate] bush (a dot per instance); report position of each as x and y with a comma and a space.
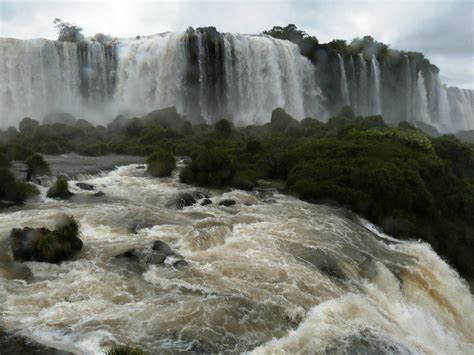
60, 189
223, 129
124, 350
60, 244
12, 190
161, 163
209, 167
28, 126
36, 165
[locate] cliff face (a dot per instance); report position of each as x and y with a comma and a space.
209, 75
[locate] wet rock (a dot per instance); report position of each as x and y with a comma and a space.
7, 204
85, 186
14, 344
157, 258
180, 264
23, 242
187, 199
135, 225
99, 194
141, 167
325, 262
227, 203
162, 247
206, 202
131, 254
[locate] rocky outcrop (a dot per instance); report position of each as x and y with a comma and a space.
85, 186
60, 189
44, 245
156, 255
187, 199
227, 202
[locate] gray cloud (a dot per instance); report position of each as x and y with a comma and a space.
442, 30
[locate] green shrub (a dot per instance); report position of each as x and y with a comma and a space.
60, 189
209, 167
60, 244
161, 163
124, 350
36, 165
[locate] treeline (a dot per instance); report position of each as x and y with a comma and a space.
413, 185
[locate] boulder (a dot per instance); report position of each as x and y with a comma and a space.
206, 202
99, 193
23, 242
180, 264
157, 258
227, 203
162, 247
85, 186
187, 199
131, 253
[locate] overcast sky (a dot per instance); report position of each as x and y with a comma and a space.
442, 29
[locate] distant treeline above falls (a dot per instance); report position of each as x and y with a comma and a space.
208, 75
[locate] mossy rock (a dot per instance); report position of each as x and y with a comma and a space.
44, 245
60, 189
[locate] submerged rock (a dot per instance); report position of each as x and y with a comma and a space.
227, 203
85, 186
157, 255
99, 193
44, 245
187, 199
180, 264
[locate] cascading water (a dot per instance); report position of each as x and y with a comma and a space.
271, 274
344, 86
420, 101
364, 96
408, 88
212, 75
376, 91
242, 77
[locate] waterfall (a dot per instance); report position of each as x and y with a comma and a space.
420, 101
212, 75
362, 90
352, 83
461, 102
376, 95
408, 91
344, 87
201, 73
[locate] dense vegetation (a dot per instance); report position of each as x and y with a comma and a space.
413, 185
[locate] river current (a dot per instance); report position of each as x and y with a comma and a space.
270, 274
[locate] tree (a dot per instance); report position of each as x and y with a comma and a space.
68, 32
36, 165
306, 43
28, 125
223, 128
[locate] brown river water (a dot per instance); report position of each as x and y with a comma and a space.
271, 274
